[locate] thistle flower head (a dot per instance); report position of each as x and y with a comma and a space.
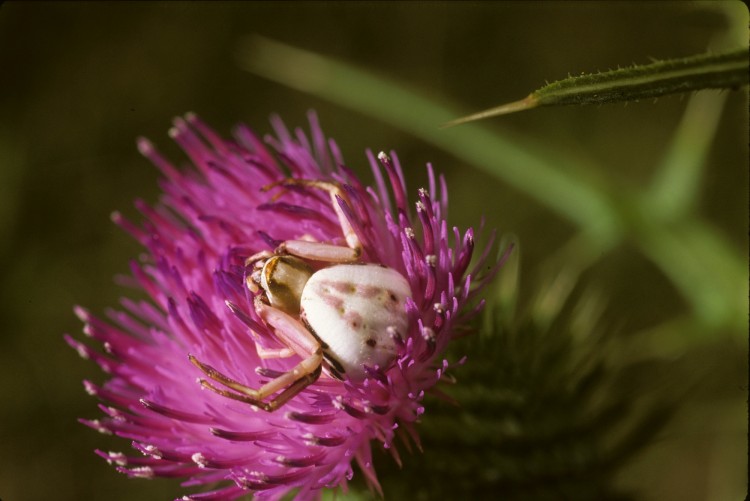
212, 302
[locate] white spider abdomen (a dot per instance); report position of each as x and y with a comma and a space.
356, 311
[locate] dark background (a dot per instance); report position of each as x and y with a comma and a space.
80, 81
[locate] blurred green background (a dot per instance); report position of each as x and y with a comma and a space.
80, 81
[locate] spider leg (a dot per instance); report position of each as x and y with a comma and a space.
300, 377
297, 339
290, 392
273, 353
317, 251
288, 330
253, 269
258, 256
336, 193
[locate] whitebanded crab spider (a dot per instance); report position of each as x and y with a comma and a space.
335, 313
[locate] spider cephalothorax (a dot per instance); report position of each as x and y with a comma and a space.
325, 307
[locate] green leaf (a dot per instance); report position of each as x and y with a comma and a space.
676, 185
707, 71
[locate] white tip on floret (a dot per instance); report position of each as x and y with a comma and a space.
310, 439
89, 387
117, 458
338, 402
143, 472
82, 313
259, 475
97, 425
199, 459
152, 451
145, 147
179, 122
82, 351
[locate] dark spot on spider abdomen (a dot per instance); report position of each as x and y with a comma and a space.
371, 343
354, 319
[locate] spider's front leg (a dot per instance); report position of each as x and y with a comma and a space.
320, 251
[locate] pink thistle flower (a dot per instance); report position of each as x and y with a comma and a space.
218, 300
